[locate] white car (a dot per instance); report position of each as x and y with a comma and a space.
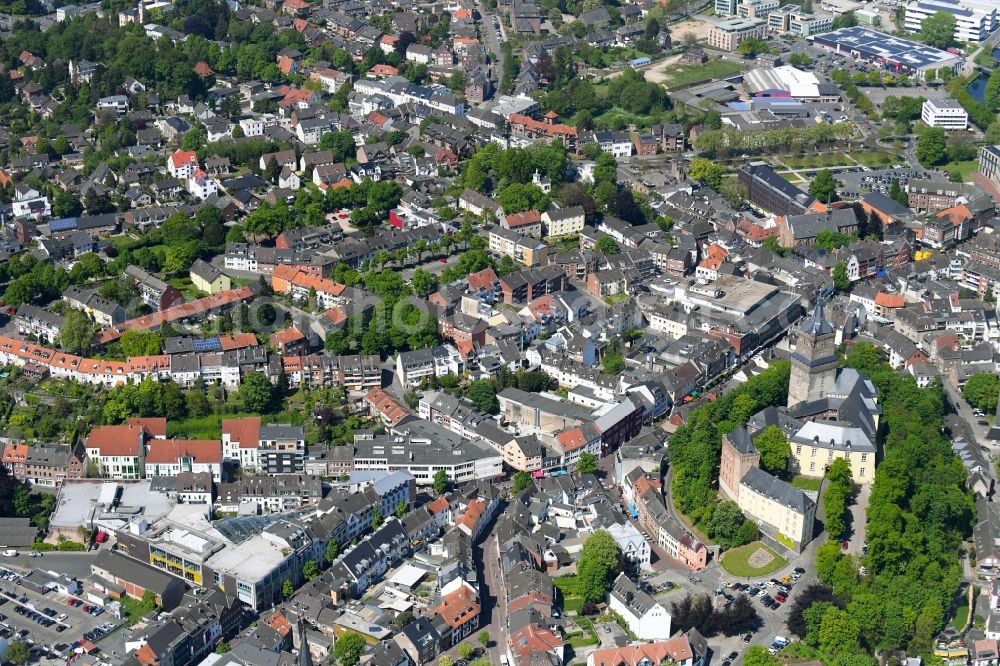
10, 553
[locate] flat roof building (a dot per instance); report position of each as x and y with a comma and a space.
901, 56
944, 113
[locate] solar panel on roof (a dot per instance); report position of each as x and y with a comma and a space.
207, 344
65, 224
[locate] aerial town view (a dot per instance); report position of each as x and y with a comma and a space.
500, 332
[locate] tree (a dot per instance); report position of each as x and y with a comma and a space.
932, 145
484, 638
347, 649
981, 391
613, 363
824, 187
440, 481
587, 464
841, 280
484, 396
607, 246
377, 518
66, 204
706, 171
423, 282
839, 632
898, 194
521, 481
135, 342
332, 550
310, 570
222, 648
774, 449
445, 660
599, 560
759, 656
751, 47
938, 30
402, 509
725, 523
256, 393
18, 653
77, 332
287, 589
465, 651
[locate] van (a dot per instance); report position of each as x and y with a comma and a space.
781, 640
10, 553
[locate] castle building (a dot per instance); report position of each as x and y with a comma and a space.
814, 359
738, 456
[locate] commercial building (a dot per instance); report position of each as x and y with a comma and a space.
423, 449
974, 19
728, 34
900, 56
946, 114
791, 19
770, 192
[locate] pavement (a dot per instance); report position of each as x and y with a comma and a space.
75, 564
490, 40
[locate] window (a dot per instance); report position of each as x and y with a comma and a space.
798, 449
861, 472
812, 467
864, 457
813, 452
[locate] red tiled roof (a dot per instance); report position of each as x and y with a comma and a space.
202, 69
173, 313
238, 341
155, 426
515, 220
539, 126
286, 336
246, 431
484, 278
13, 453
890, 300
458, 607
120, 440
387, 405
181, 157
166, 451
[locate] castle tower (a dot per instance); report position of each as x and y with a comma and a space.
738, 455
814, 358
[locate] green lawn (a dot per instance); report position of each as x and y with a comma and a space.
966, 169
572, 599
618, 118
691, 74
736, 561
961, 614
876, 158
817, 160
584, 638
807, 483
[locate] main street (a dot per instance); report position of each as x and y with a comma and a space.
492, 35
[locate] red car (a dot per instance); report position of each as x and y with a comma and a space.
844, 545
780, 597
443, 260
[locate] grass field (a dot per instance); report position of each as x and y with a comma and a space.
572, 599
690, 74
617, 118
876, 158
817, 160
807, 483
965, 169
737, 561
961, 614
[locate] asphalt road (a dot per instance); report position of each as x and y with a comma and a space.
490, 41
76, 565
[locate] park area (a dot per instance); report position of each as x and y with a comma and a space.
752, 560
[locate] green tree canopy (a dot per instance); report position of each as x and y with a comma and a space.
348, 648
981, 391
598, 562
521, 481
484, 396
587, 464
824, 187
932, 145
256, 393
774, 449
607, 246
938, 30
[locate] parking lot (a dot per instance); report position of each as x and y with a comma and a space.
51, 623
